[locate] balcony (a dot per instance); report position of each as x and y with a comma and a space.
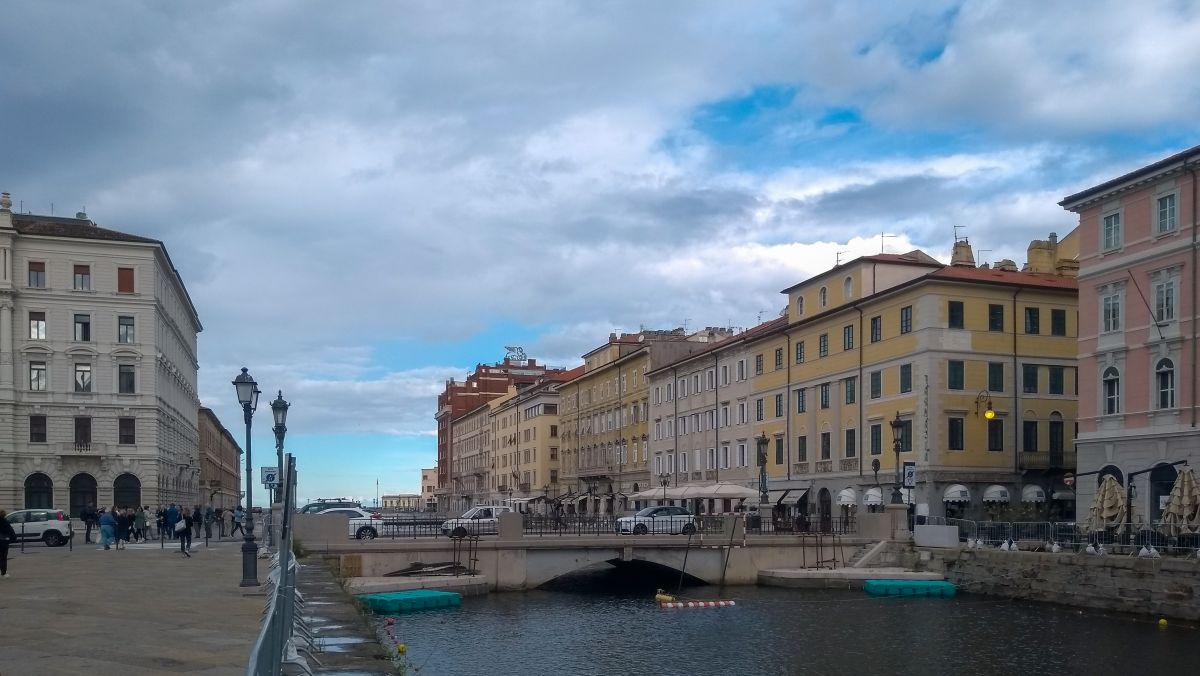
801, 467
849, 464
524, 488
82, 448
824, 466
1048, 460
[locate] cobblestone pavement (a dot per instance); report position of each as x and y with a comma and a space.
130, 612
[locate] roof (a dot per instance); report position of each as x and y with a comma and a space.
1125, 178
914, 257
57, 226
994, 276
748, 334
564, 376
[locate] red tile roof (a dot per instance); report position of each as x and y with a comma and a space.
55, 226
994, 276
564, 376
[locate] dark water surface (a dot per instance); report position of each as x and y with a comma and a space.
605, 623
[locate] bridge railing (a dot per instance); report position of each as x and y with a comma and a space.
813, 524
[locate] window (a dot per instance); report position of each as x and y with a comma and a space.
725, 374
37, 325
876, 329
83, 431
955, 311
1056, 433
1166, 214
741, 369
758, 364
826, 451
1058, 322
801, 400
905, 378
954, 433
695, 384
778, 358
125, 330
851, 448
1112, 231
124, 280
1164, 301
849, 384
1164, 379
906, 436
823, 296
876, 384
802, 449
83, 377
1033, 320
800, 352
37, 376
37, 275
995, 433
712, 459
683, 466
995, 317
758, 409
906, 319
824, 395
670, 392
876, 439
955, 376
724, 457
848, 337
125, 431
83, 328
37, 429
1029, 436
995, 376
724, 416
682, 388
125, 379
848, 288
742, 455
779, 406
823, 345
711, 379
1057, 378
778, 450
800, 306
1110, 312
83, 278
1029, 378
741, 413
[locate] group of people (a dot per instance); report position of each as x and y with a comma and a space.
174, 522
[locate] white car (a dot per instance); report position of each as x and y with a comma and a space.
480, 520
364, 525
658, 520
51, 526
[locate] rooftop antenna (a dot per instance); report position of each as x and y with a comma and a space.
956, 229
760, 314
883, 236
839, 258
52, 208
685, 323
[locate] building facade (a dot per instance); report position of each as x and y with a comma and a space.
220, 463
429, 489
470, 457
98, 368
403, 502
526, 443
1138, 330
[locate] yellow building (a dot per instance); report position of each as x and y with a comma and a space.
904, 343
525, 446
470, 457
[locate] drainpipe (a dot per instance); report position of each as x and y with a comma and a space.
1191, 170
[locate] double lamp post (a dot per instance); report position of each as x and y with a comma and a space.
247, 394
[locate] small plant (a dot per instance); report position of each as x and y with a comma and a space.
397, 652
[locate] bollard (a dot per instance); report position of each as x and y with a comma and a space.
22, 537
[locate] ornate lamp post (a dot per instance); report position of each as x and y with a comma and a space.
247, 394
763, 493
664, 480
897, 435
279, 409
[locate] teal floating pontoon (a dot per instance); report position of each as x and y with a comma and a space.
935, 588
395, 603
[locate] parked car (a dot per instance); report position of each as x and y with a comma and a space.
324, 504
479, 520
364, 525
52, 526
658, 520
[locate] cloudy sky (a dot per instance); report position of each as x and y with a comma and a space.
368, 198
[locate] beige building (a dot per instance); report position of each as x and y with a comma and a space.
404, 502
220, 463
429, 479
470, 457
526, 442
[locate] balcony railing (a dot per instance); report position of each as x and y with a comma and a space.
524, 488
1048, 460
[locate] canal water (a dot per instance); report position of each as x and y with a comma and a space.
606, 623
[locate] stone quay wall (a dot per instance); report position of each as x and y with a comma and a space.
1155, 587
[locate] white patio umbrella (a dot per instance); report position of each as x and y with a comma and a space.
1182, 514
1108, 506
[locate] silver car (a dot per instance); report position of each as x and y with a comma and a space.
658, 520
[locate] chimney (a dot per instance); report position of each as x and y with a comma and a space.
1006, 264
5, 211
962, 256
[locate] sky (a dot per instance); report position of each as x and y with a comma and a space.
366, 199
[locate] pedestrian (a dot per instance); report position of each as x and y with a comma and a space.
222, 518
7, 535
88, 516
209, 517
108, 528
196, 520
172, 519
184, 531
160, 521
238, 515
139, 526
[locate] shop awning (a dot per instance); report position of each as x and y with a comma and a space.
956, 493
996, 493
882, 496
1063, 494
873, 496
1033, 493
775, 496
793, 497
847, 496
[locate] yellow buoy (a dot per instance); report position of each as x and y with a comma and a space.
1162, 621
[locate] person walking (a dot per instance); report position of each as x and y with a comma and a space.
7, 535
222, 520
88, 516
160, 521
172, 519
238, 515
108, 528
209, 517
196, 520
184, 528
139, 525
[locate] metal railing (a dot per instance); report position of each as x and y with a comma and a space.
1071, 536
275, 644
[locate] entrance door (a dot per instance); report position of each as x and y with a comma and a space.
83, 493
1162, 480
127, 491
825, 507
39, 492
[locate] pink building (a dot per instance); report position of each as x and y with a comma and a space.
1137, 330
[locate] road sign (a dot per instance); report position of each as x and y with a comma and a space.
910, 475
1069, 479
270, 476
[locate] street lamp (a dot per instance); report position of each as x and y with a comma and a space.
763, 494
279, 410
984, 397
247, 394
664, 480
897, 435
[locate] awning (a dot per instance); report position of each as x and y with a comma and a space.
882, 496
956, 493
847, 496
873, 496
1032, 493
522, 500
1063, 494
995, 493
794, 497
774, 497
716, 491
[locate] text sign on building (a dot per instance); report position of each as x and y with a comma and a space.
910, 475
270, 476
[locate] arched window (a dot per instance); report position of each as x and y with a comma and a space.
800, 306
1112, 391
848, 288
39, 492
823, 296
127, 491
1110, 470
1164, 378
83, 493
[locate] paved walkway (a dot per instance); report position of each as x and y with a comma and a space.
133, 612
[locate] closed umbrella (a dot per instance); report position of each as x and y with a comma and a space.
1108, 507
1182, 514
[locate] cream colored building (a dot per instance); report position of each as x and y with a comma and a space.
429, 479
526, 443
404, 502
98, 368
470, 453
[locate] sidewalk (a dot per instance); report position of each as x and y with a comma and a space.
131, 612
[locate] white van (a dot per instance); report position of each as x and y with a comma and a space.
479, 520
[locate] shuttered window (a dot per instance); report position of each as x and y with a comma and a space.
124, 280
